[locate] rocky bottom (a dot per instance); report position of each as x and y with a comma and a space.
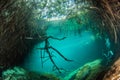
89, 71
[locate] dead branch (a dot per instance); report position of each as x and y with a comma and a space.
47, 48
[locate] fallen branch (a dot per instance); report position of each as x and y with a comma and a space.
47, 48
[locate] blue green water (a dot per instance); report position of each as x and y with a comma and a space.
81, 48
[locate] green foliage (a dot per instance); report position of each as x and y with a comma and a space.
76, 15
57, 8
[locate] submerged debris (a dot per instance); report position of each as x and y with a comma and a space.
47, 48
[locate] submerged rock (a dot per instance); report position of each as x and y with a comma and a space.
89, 71
114, 72
83, 73
18, 73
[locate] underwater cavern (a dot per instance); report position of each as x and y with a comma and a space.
59, 39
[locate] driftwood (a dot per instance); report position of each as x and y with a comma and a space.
46, 49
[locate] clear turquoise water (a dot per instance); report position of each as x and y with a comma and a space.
81, 48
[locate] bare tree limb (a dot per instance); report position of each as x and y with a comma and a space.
46, 49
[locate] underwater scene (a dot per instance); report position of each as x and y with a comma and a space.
59, 40
64, 50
